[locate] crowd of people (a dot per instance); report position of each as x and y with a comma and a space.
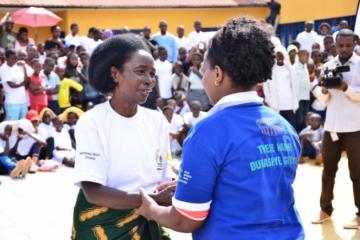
54, 76
45, 89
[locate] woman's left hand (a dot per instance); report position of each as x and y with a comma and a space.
166, 185
148, 205
164, 197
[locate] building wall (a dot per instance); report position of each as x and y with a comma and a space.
303, 10
138, 18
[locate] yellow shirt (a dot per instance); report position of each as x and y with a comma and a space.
64, 91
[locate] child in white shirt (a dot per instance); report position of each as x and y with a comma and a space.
311, 138
63, 152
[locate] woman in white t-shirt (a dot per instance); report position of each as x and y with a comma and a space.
121, 146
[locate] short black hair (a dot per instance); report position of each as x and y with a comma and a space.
34, 61
302, 51
345, 33
113, 52
73, 25
83, 53
91, 30
49, 60
23, 30
10, 52
162, 48
328, 37
356, 37
242, 48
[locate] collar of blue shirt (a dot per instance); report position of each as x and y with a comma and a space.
235, 99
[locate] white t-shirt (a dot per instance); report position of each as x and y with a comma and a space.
176, 123
88, 43
343, 113
307, 39
182, 42
284, 88
48, 129
191, 120
195, 82
72, 40
195, 38
122, 153
13, 74
183, 110
12, 141
164, 72
303, 81
62, 139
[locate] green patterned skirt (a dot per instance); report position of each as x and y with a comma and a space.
92, 222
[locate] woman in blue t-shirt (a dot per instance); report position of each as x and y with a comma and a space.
239, 163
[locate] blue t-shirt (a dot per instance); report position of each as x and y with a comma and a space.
238, 167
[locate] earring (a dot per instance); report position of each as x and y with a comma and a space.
216, 83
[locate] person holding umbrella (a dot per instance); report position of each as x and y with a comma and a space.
7, 35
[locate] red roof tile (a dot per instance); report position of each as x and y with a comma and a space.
131, 3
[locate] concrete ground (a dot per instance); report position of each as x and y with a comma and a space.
40, 206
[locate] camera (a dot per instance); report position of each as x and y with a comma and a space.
333, 77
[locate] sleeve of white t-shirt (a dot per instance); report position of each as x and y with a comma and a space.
165, 150
29, 70
4, 75
90, 161
187, 117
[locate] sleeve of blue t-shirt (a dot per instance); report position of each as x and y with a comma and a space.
175, 50
197, 176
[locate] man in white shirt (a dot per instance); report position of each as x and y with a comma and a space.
164, 71
308, 37
181, 40
343, 25
167, 40
196, 36
88, 41
14, 78
73, 38
342, 126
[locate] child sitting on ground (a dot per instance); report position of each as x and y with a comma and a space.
175, 129
180, 82
70, 117
311, 139
8, 142
63, 152
193, 117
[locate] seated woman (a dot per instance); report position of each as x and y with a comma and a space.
63, 151
31, 139
46, 125
70, 117
121, 146
8, 143
176, 126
